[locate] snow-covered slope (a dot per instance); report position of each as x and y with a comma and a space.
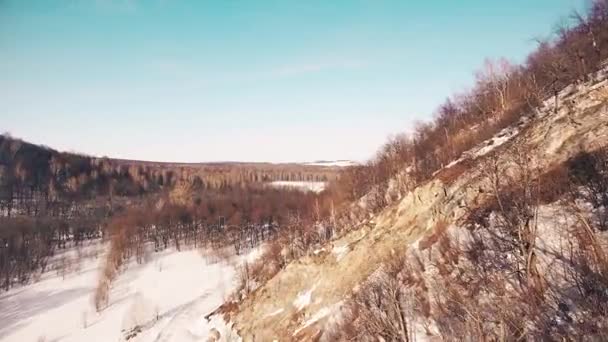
164, 300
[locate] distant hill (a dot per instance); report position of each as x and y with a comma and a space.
333, 163
30, 172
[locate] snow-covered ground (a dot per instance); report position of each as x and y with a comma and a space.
340, 251
489, 145
336, 163
167, 298
304, 186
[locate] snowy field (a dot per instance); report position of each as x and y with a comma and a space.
334, 163
304, 186
167, 298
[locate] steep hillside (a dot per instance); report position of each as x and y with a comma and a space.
306, 299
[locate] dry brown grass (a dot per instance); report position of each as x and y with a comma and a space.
217, 255
261, 270
450, 174
440, 228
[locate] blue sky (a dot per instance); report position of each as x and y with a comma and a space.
275, 80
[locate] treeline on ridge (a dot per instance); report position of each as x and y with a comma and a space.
502, 95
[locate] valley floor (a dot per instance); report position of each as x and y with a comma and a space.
164, 299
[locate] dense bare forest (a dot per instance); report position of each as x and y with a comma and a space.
49, 199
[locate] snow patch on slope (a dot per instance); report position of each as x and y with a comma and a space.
489, 145
303, 299
327, 311
340, 251
274, 313
317, 316
501, 138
